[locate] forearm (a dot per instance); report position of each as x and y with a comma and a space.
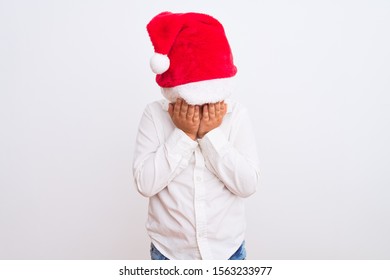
154, 170
237, 170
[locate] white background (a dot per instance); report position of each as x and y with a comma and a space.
74, 80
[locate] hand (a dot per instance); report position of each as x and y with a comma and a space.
212, 116
185, 117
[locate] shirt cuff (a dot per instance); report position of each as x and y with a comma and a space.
180, 144
215, 141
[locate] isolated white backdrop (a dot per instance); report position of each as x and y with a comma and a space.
74, 80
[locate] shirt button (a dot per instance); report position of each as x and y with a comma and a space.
198, 179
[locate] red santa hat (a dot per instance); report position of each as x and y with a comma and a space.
192, 59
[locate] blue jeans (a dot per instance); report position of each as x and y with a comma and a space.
240, 254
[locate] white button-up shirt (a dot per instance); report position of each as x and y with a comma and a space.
196, 188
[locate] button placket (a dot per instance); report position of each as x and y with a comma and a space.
199, 201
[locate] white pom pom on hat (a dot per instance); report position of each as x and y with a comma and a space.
159, 63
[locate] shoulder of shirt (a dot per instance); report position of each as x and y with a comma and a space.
158, 105
234, 106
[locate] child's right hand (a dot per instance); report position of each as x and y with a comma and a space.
185, 117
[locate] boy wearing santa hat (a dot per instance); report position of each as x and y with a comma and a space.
195, 156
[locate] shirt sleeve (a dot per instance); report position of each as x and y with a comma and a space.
156, 164
235, 160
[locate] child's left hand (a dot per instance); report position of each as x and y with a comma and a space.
212, 116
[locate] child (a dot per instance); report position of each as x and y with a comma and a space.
195, 155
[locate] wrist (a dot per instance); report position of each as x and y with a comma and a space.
202, 134
192, 136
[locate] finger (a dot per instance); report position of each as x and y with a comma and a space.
217, 108
184, 108
211, 110
205, 112
222, 108
196, 114
170, 109
177, 107
190, 112
225, 106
